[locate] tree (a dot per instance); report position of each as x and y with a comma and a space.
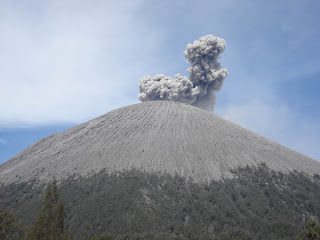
49, 224
102, 237
10, 229
311, 233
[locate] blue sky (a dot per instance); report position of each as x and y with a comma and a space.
66, 62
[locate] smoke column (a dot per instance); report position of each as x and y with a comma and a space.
206, 77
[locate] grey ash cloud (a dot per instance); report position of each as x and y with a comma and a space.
206, 77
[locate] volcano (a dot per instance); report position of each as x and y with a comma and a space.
156, 137
166, 170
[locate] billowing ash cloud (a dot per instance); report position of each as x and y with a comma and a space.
206, 77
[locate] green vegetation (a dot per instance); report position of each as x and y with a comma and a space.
49, 224
312, 232
256, 204
102, 237
10, 229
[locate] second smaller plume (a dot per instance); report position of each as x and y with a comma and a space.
206, 77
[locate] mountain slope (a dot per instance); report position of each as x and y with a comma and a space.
159, 136
256, 204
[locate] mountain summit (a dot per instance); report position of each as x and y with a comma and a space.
156, 137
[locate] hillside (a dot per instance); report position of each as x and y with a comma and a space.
166, 170
156, 136
257, 203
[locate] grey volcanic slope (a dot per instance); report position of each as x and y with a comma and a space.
160, 137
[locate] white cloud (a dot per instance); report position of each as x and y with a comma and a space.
68, 62
260, 117
277, 122
2, 141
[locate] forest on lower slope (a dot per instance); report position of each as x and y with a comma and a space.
257, 204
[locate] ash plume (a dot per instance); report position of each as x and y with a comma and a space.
206, 77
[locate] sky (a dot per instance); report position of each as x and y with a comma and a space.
65, 62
